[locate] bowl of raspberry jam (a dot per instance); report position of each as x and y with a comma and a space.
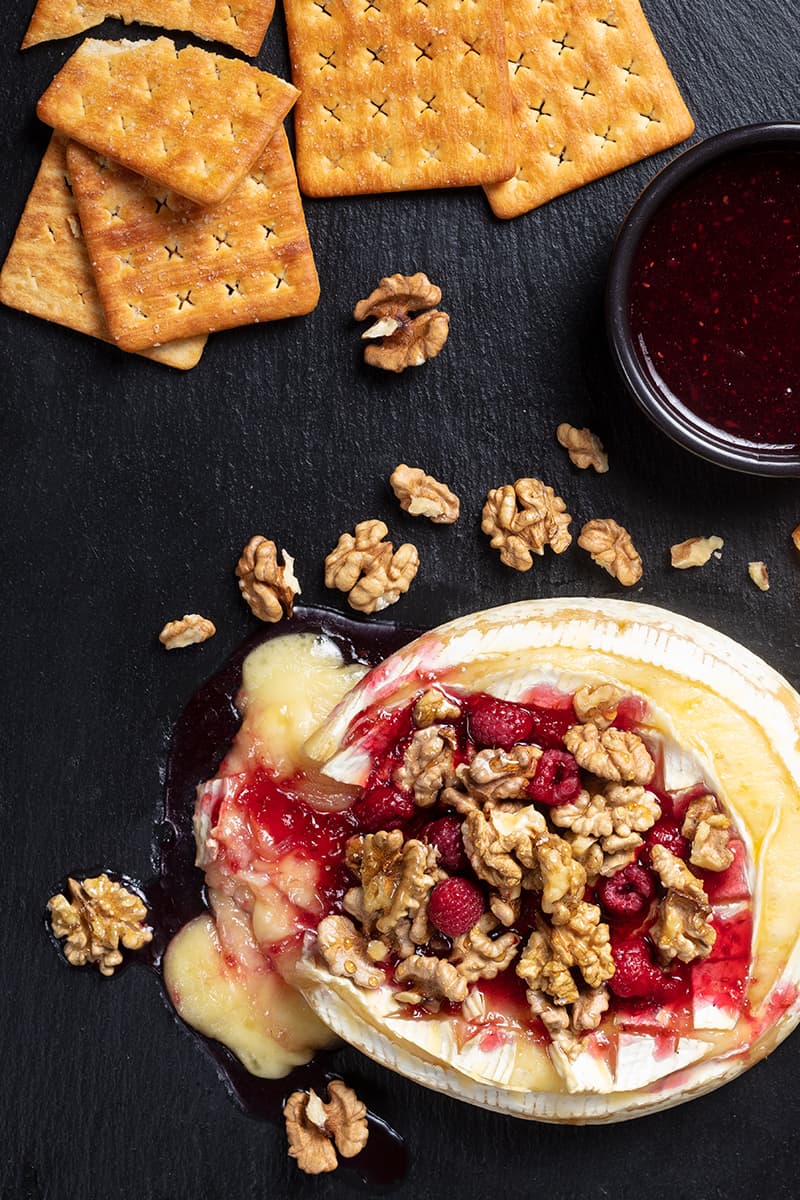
703, 299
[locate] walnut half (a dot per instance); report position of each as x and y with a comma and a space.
611, 547
314, 1127
367, 566
102, 916
423, 496
268, 588
584, 447
402, 340
189, 631
521, 519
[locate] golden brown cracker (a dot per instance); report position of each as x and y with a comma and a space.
591, 93
166, 270
399, 94
190, 120
48, 274
239, 23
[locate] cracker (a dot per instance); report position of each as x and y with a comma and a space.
399, 94
165, 269
48, 274
592, 93
239, 23
190, 120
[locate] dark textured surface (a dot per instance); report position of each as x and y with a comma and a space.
126, 493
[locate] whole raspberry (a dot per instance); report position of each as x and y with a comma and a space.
637, 975
628, 893
499, 723
445, 835
550, 725
557, 779
455, 905
665, 833
383, 807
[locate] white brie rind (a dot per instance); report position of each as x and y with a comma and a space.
721, 716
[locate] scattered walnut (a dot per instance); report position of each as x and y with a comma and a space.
405, 341
432, 979
434, 706
681, 929
313, 1127
610, 546
524, 518
369, 569
694, 552
614, 754
190, 630
268, 588
428, 764
709, 832
477, 955
101, 917
396, 880
491, 776
346, 953
423, 496
597, 703
759, 574
584, 447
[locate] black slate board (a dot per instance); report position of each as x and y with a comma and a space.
126, 493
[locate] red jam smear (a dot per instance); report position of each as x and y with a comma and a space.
714, 300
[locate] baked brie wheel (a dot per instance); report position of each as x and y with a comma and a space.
542, 859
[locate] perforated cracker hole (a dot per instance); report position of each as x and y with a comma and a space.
161, 202
380, 108
331, 111
280, 280
605, 21
184, 300
327, 60
540, 110
232, 16
561, 156
517, 64
376, 55
233, 289
114, 212
424, 51
629, 69
650, 117
127, 261
322, 5
584, 89
427, 105
476, 99
606, 137
563, 43
385, 156
67, 184
371, 6
139, 313
431, 155
222, 240
269, 231
173, 251
52, 234
471, 48
480, 150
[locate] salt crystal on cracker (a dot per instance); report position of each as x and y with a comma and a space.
190, 120
48, 274
399, 94
165, 269
591, 93
239, 23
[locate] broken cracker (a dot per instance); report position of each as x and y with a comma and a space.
165, 270
591, 93
189, 120
239, 23
48, 274
398, 96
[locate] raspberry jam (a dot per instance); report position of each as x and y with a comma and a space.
714, 300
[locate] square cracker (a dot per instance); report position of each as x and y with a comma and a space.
166, 269
239, 23
189, 120
48, 274
399, 94
591, 92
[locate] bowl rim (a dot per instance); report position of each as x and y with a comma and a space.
701, 440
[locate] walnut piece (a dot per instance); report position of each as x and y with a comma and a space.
477, 955
796, 536
694, 552
313, 1128
191, 629
368, 568
431, 979
759, 574
681, 929
584, 447
547, 961
397, 878
614, 754
501, 846
345, 952
423, 496
521, 519
597, 703
610, 546
709, 832
101, 917
428, 764
493, 775
404, 341
588, 1009
268, 588
434, 706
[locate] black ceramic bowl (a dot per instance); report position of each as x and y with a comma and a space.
674, 419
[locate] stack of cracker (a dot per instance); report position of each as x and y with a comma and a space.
167, 205
528, 98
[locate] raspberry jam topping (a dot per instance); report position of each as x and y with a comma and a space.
383, 807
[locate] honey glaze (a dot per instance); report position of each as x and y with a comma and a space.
273, 1031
